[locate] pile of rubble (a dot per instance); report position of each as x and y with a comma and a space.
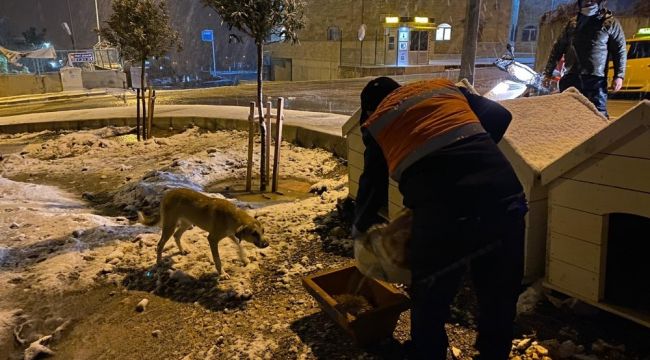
529, 349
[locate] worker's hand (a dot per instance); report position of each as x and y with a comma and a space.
547, 81
617, 84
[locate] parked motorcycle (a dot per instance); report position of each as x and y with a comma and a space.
522, 80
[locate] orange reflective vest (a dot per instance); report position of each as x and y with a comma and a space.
419, 118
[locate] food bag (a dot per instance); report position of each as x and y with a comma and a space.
382, 252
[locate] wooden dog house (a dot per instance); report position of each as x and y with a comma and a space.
599, 220
542, 142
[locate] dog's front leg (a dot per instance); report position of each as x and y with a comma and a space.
214, 248
166, 234
242, 252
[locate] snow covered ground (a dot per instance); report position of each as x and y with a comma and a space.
55, 240
74, 265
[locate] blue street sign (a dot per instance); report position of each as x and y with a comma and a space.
207, 35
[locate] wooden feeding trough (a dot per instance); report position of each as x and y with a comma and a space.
384, 303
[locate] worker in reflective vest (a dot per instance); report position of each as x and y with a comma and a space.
439, 142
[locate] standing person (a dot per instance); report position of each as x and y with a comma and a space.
439, 142
586, 42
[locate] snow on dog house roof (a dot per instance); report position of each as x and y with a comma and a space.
551, 134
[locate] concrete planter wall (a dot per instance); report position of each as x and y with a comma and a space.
69, 79
25, 84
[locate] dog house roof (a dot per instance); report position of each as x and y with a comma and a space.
552, 134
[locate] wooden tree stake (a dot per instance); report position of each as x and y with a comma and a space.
251, 136
267, 164
278, 143
137, 110
152, 101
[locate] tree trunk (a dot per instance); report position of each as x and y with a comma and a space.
260, 106
470, 38
144, 103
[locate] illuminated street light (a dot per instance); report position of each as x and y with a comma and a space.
99, 38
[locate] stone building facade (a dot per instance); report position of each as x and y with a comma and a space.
330, 47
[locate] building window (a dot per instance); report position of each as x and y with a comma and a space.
419, 41
529, 33
443, 32
391, 43
333, 33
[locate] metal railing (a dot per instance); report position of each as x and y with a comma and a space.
108, 59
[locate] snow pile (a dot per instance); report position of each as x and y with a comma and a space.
145, 194
47, 233
76, 143
545, 128
48, 198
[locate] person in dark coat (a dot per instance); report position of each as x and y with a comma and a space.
587, 42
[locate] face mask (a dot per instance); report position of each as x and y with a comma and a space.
589, 10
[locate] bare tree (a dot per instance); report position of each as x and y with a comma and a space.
141, 30
264, 21
34, 37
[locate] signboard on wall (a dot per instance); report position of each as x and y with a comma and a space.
81, 57
136, 73
403, 46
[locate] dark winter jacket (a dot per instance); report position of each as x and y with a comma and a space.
587, 43
460, 170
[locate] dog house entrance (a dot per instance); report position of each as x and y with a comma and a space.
627, 265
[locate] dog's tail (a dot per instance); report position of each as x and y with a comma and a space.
149, 221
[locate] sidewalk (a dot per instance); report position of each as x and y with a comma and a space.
23, 99
301, 127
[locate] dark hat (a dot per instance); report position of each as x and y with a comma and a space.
373, 94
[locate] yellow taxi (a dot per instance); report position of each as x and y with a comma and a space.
637, 70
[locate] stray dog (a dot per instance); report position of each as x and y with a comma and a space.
180, 209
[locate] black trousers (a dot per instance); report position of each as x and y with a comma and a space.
465, 197
592, 87
438, 237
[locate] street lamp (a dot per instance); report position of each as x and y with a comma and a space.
99, 38
70, 29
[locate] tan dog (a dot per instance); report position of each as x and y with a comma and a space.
182, 208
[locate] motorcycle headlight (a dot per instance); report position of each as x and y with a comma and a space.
521, 73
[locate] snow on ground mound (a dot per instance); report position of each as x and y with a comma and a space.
76, 143
46, 232
145, 195
54, 242
58, 243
